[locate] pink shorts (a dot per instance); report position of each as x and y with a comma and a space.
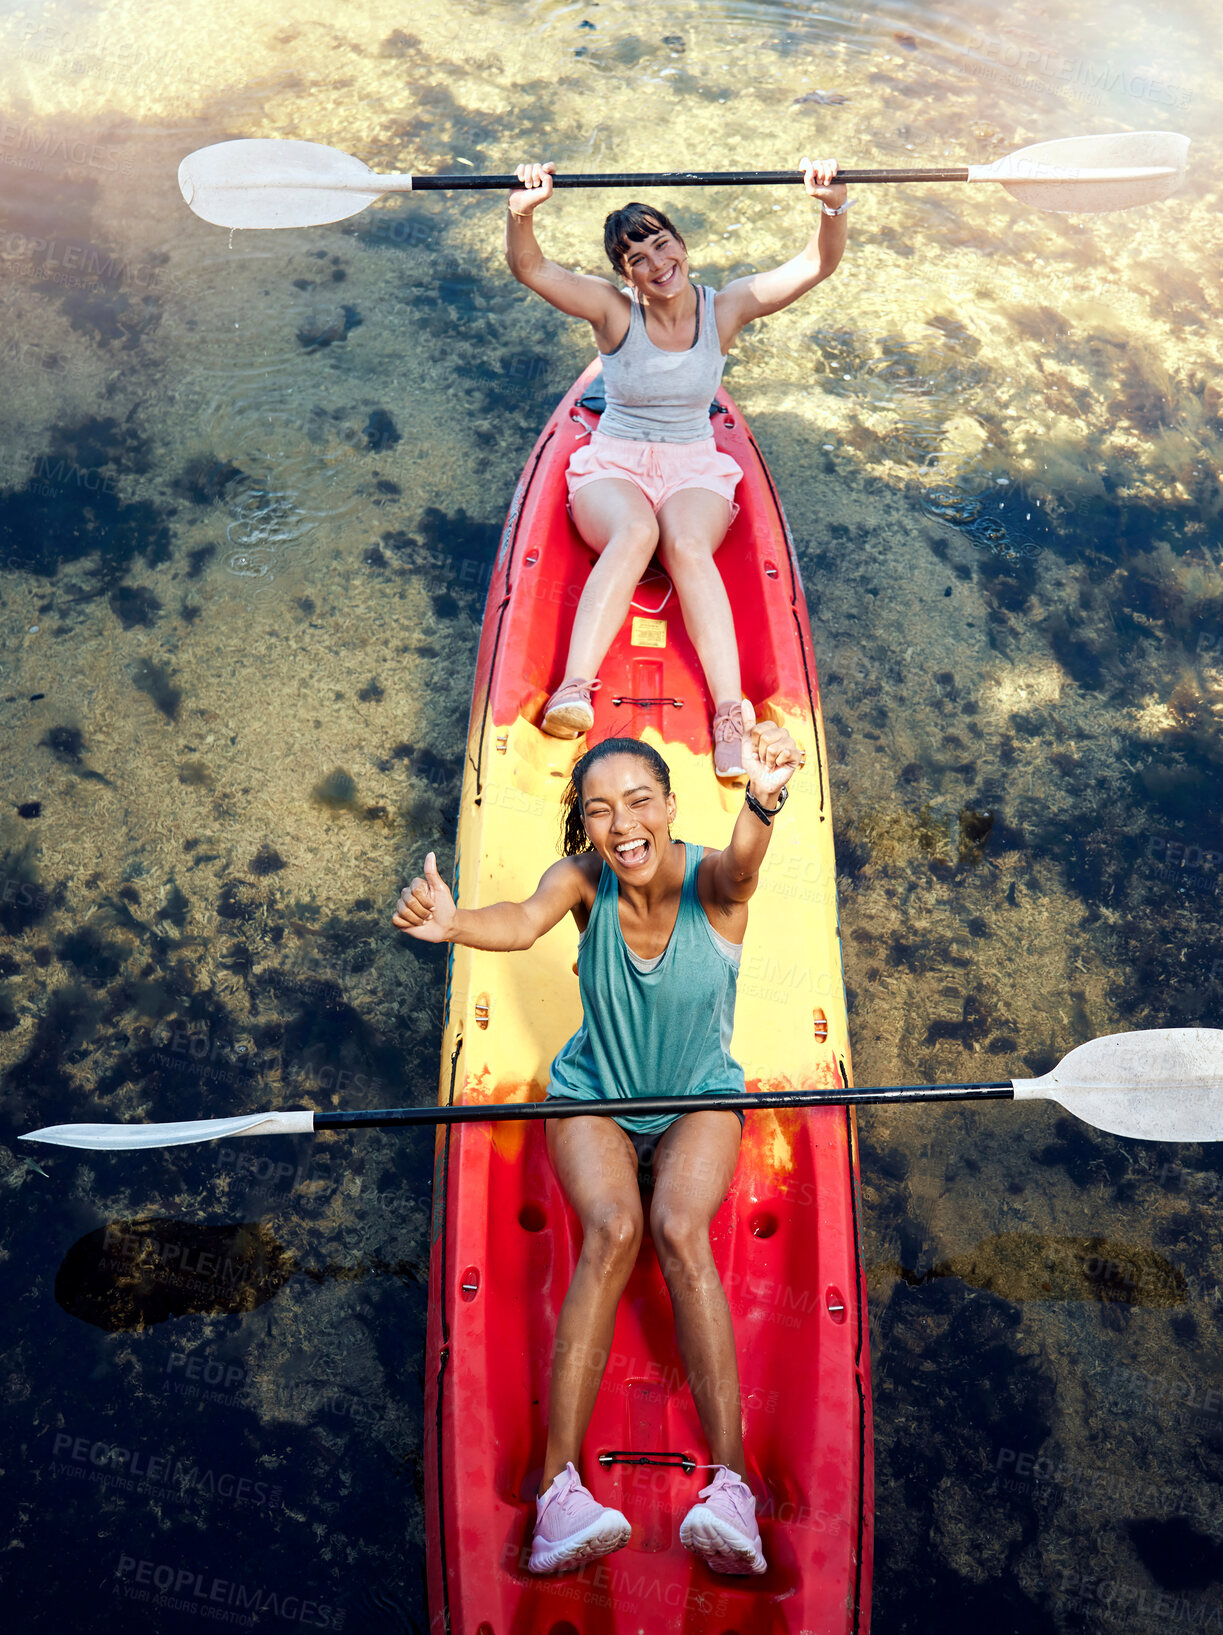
658, 469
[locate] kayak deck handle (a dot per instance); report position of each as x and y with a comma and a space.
647, 703
628, 1456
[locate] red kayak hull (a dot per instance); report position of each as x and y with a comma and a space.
786, 1239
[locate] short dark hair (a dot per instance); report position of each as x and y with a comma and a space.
632, 225
574, 839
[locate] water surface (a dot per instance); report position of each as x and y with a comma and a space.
248, 495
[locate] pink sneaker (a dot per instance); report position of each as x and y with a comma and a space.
571, 1526
728, 740
568, 713
723, 1530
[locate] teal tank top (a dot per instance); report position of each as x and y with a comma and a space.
651, 1027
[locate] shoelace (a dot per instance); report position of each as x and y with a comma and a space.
577, 685
555, 1494
730, 1478
727, 726
732, 1481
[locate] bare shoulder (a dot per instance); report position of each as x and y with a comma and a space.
730, 306
603, 288
613, 326
563, 888
580, 295
706, 869
576, 876
589, 866
726, 916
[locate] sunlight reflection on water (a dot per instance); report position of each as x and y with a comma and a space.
997, 434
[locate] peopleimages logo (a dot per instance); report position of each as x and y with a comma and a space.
74, 264
184, 1589
135, 1470
29, 149
173, 1262
231, 1385
18, 893
48, 475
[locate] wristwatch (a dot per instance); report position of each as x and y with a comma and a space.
840, 209
762, 812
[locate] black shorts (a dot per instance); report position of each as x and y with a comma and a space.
645, 1143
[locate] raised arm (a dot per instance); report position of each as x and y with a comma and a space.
759, 294
426, 910
580, 295
770, 759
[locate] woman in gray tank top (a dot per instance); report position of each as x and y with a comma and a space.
651, 478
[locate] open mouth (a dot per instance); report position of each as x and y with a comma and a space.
632, 853
667, 279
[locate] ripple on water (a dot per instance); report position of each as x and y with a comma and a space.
786, 27
937, 50
1004, 516
785, 22
914, 389
287, 454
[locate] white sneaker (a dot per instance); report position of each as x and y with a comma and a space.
723, 1530
571, 1526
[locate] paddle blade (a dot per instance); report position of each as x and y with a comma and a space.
262, 182
1165, 1084
1092, 174
125, 1137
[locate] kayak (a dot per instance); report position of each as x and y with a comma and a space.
786, 1239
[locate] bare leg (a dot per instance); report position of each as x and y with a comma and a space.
692, 524
615, 519
597, 1167
693, 1168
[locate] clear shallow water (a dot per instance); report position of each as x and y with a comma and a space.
247, 499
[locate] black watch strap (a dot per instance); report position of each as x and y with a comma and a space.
762, 812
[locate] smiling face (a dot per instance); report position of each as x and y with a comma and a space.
627, 816
658, 265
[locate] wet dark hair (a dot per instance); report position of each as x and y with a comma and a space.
574, 840
633, 224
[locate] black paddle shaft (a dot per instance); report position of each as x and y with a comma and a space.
683, 178
510, 1111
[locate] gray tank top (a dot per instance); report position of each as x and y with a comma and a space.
662, 397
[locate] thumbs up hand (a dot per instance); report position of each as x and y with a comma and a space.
770, 755
425, 909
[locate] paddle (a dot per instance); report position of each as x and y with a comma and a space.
1161, 1085
264, 182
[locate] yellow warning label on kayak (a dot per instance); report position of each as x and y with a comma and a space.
649, 632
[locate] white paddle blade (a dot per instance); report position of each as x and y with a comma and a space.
1165, 1084
125, 1137
1092, 174
262, 182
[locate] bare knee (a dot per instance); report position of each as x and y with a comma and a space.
611, 1239
636, 540
682, 1241
686, 550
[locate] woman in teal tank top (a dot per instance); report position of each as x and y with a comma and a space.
662, 924
653, 1027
